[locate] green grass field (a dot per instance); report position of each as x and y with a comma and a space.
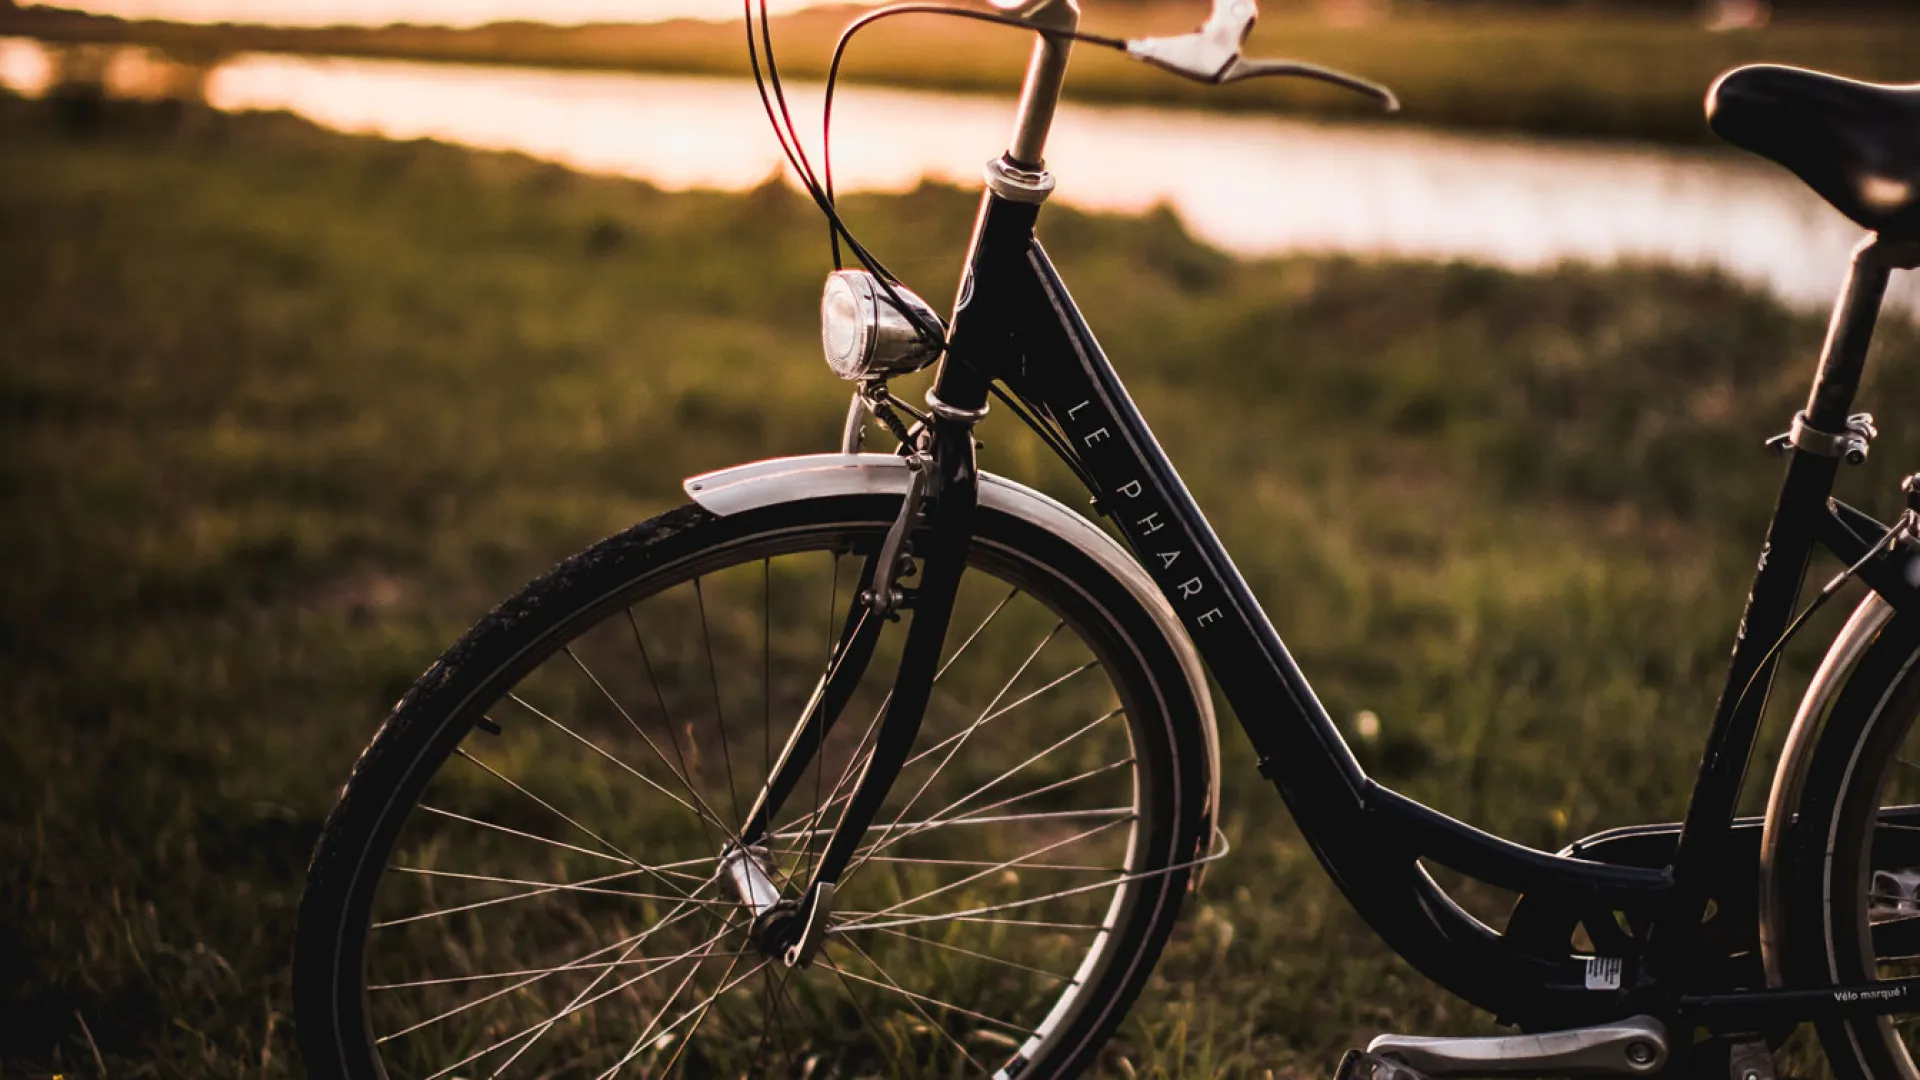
282, 411
1570, 73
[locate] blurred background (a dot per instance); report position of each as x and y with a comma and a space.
325, 325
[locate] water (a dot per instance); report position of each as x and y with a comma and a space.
1252, 185
423, 12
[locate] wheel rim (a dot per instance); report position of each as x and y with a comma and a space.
1864, 903
555, 901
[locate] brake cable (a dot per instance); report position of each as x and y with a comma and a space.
874, 16
1907, 526
822, 191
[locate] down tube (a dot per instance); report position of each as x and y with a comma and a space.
1062, 368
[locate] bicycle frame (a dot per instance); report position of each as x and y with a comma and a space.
1016, 323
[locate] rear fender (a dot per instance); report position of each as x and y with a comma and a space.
1868, 619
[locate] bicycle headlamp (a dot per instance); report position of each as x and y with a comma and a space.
866, 336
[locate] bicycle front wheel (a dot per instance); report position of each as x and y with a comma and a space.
524, 876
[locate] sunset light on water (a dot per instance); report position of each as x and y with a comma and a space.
434, 12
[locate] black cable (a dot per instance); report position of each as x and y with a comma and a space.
820, 187
823, 187
871, 17
1055, 441
790, 145
1827, 592
779, 93
787, 134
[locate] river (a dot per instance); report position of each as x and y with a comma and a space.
1252, 185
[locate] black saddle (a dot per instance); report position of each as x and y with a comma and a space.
1856, 143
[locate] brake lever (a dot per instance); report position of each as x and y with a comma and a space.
1243, 68
1212, 55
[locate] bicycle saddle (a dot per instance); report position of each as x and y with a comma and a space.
1857, 144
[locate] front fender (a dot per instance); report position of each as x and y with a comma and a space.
815, 476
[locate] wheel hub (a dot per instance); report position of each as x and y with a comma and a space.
777, 929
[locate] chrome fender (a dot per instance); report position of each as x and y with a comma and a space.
1796, 755
816, 476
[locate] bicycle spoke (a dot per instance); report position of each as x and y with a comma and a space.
1043, 789
875, 922
710, 814
980, 817
1003, 776
985, 716
862, 753
527, 835
833, 669
454, 979
962, 917
866, 1018
591, 885
770, 1018
704, 1009
934, 962
548, 1026
630, 770
659, 697
989, 785
832, 665
914, 1000
1006, 865
550, 808
541, 975
766, 668
719, 710
572, 1008
977, 631
647, 1035
915, 861
896, 988
950, 947
1088, 666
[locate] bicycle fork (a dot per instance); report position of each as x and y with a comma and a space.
939, 505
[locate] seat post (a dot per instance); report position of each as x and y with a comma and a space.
1844, 356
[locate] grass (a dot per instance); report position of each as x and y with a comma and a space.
1578, 72
282, 411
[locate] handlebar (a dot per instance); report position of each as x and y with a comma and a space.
1212, 55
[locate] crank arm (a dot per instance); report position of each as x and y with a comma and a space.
953, 491
1636, 1046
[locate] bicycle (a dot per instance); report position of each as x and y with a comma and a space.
1023, 881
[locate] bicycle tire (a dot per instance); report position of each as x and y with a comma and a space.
1820, 933
442, 710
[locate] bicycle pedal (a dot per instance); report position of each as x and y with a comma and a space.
1360, 1065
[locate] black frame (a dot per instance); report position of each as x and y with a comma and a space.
1016, 324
